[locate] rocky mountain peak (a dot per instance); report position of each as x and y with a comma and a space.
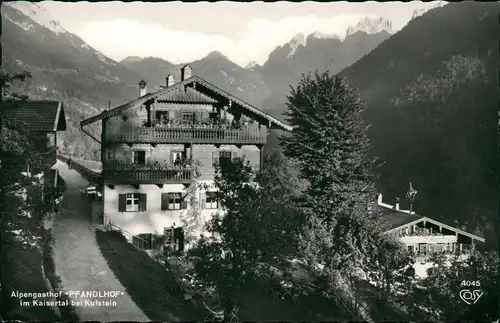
371, 25
38, 14
132, 59
320, 35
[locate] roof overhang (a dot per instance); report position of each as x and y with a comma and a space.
60, 120
409, 224
193, 81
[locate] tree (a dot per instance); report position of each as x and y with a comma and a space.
330, 145
228, 256
280, 188
231, 257
388, 266
22, 204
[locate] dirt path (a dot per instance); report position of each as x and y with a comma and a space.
79, 261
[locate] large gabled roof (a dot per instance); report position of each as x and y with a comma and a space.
37, 115
392, 219
198, 85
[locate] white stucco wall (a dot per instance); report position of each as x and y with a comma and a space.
153, 220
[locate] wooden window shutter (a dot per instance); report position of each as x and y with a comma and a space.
142, 202
164, 201
205, 116
198, 117
180, 239
215, 158
203, 200
122, 202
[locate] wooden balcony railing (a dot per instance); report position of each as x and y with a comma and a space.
135, 174
197, 135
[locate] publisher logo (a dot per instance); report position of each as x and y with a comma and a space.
470, 296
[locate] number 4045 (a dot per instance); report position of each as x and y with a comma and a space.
469, 283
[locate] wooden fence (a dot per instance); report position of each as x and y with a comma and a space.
88, 174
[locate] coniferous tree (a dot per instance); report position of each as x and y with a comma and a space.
330, 144
331, 147
228, 257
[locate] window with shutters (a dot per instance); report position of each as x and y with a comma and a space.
163, 117
173, 201
132, 202
188, 117
211, 201
177, 157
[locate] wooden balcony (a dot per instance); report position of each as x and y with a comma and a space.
195, 135
150, 174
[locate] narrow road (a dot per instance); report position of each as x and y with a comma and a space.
79, 261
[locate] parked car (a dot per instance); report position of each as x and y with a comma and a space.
92, 192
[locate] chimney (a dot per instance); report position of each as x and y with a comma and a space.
185, 72
396, 206
142, 88
169, 80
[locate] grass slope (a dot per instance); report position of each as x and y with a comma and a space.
22, 272
154, 290
149, 285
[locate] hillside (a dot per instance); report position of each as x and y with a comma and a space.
63, 67
301, 55
433, 100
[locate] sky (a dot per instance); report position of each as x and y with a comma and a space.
183, 32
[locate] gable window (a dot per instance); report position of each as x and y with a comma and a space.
188, 117
139, 157
162, 116
211, 201
132, 202
173, 201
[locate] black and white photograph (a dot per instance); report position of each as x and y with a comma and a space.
250, 161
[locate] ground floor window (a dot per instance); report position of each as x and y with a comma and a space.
174, 239
132, 202
173, 201
211, 201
